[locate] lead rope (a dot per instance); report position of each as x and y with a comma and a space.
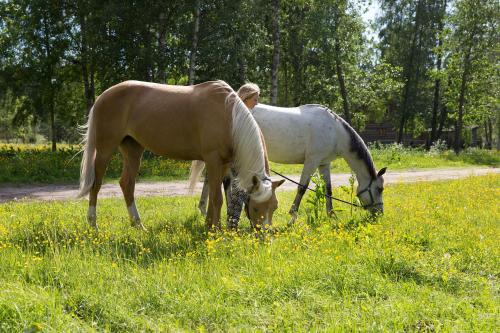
326, 195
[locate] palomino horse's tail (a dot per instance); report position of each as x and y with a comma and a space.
194, 174
87, 169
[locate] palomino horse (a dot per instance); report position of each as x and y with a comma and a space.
313, 135
206, 122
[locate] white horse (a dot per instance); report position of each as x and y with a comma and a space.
314, 136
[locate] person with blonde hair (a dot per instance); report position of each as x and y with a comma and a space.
249, 94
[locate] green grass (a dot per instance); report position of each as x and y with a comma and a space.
37, 164
431, 263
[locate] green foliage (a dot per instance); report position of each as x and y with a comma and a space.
56, 58
430, 263
37, 164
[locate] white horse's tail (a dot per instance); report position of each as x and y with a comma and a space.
194, 174
87, 169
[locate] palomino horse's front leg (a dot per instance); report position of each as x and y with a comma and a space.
215, 173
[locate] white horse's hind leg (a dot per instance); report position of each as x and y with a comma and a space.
325, 174
202, 205
309, 167
92, 216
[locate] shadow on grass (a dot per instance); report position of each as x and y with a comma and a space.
163, 240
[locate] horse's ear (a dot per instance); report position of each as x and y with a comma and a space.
277, 184
255, 184
381, 172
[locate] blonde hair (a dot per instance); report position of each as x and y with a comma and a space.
248, 90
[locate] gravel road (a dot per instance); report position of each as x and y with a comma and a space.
65, 192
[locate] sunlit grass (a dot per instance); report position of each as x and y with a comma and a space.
430, 263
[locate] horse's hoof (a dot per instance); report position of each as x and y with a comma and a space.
294, 214
292, 219
92, 221
138, 225
332, 214
202, 211
141, 227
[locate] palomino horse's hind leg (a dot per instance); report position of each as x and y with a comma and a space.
131, 151
215, 173
325, 174
101, 161
305, 178
202, 205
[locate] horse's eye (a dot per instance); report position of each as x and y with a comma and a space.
380, 190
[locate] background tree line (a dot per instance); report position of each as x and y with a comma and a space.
434, 65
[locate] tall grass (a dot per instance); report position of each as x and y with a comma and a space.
37, 164
429, 264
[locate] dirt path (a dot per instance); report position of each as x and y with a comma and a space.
65, 192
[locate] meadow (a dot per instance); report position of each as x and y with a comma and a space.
25, 164
431, 263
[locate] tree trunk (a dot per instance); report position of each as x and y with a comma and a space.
165, 19
88, 78
276, 51
148, 60
285, 69
342, 87
162, 46
409, 72
488, 131
435, 108
194, 45
442, 120
49, 72
498, 131
89, 96
437, 83
461, 103
296, 54
88, 81
53, 123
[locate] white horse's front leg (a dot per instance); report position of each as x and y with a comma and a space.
309, 167
325, 174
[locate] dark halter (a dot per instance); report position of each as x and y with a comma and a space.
369, 190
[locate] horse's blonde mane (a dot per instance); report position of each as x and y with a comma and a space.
248, 147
